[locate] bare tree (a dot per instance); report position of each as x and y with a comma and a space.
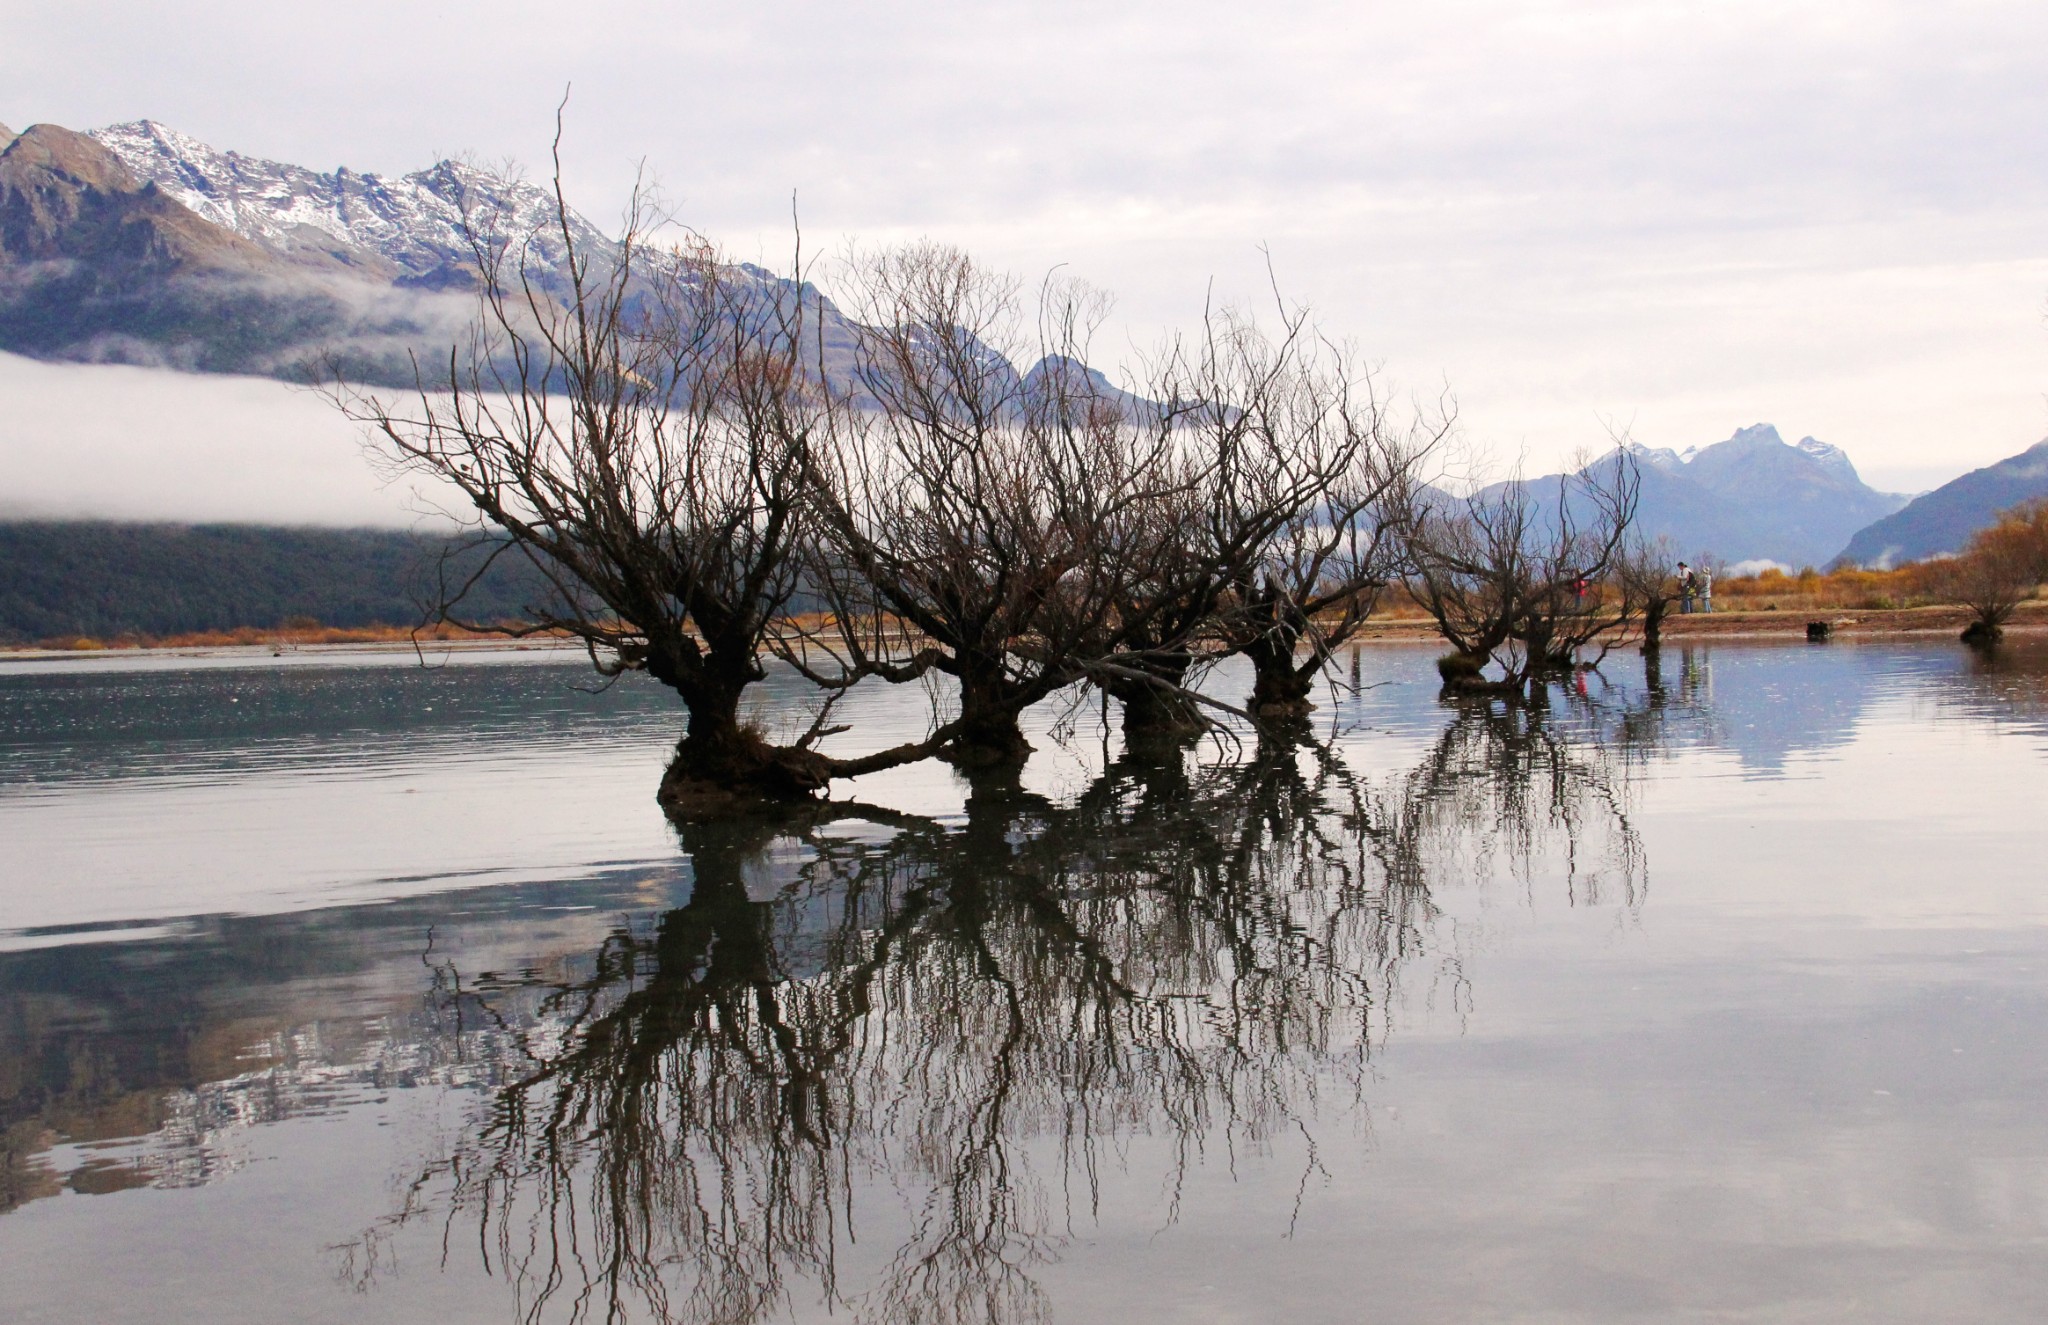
1643, 574
1005, 522
1319, 577
1518, 582
1286, 531
636, 423
1251, 478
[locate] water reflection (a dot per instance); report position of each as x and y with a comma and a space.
2007, 682
982, 1020
894, 1068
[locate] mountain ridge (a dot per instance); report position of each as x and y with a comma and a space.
1941, 521
1750, 497
409, 229
138, 244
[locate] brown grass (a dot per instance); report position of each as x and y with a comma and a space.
1900, 601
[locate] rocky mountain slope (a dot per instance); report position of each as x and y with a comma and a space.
409, 231
1943, 520
98, 263
138, 244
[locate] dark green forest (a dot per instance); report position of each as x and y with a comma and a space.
107, 580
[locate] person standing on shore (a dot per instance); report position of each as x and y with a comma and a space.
1706, 580
1686, 585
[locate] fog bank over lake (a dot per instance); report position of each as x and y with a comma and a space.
101, 441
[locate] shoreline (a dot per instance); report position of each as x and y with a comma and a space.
1927, 623
1906, 623
285, 648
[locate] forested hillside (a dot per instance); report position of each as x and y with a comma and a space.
101, 579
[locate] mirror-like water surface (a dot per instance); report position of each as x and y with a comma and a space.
334, 989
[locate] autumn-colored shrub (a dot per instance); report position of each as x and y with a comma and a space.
2001, 568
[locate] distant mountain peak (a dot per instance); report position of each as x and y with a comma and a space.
1757, 434
1661, 458
1752, 452
414, 223
1831, 457
1754, 495
1758, 440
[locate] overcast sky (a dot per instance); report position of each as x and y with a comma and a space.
1681, 218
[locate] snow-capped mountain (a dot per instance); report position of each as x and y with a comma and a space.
139, 244
1832, 458
414, 223
1756, 496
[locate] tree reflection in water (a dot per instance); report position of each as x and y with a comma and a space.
987, 1019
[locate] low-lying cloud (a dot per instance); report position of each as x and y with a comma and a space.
95, 441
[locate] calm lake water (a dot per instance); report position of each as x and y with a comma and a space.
336, 989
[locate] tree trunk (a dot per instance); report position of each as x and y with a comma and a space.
721, 765
989, 730
1653, 627
1280, 689
1156, 714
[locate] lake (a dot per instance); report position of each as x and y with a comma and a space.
338, 988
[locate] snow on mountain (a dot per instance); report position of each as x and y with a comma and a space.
1832, 458
1758, 441
1754, 495
1660, 458
413, 223
248, 265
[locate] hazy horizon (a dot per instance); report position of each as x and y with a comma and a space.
101, 441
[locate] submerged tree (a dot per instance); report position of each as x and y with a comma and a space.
637, 424
1643, 574
1521, 583
1012, 524
705, 469
1307, 514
